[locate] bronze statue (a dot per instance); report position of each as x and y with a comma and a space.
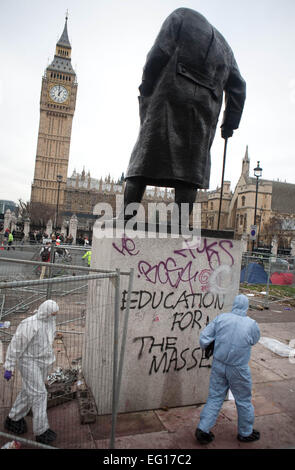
187, 70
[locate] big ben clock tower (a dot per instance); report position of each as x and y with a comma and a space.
57, 106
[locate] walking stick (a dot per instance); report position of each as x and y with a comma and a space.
222, 181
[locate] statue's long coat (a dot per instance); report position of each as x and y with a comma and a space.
186, 72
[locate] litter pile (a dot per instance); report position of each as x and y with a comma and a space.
69, 384
12, 445
69, 376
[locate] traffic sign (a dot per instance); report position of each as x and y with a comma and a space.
253, 232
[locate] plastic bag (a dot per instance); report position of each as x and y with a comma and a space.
11, 445
276, 346
209, 350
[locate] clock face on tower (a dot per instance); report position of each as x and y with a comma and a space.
59, 93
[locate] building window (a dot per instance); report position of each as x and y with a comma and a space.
211, 206
243, 200
210, 221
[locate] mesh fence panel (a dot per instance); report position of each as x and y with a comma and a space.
72, 410
268, 279
62, 256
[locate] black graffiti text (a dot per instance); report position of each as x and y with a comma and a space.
183, 320
156, 299
167, 356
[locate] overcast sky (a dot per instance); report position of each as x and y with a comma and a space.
110, 40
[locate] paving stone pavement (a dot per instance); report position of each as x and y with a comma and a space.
273, 399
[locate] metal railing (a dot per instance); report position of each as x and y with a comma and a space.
268, 279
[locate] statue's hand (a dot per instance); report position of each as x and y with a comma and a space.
226, 132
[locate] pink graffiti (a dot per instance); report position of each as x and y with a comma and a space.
167, 272
204, 278
211, 250
127, 246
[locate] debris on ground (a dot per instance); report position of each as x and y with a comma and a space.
11, 445
277, 347
59, 338
283, 294
87, 406
256, 307
65, 385
69, 376
61, 386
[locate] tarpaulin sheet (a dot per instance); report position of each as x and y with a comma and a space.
254, 273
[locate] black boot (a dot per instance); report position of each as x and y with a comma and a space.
16, 427
47, 437
252, 437
204, 437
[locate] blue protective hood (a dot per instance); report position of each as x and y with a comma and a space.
240, 305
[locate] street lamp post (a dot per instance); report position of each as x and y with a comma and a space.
257, 174
260, 220
59, 180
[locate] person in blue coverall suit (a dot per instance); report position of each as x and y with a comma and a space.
233, 334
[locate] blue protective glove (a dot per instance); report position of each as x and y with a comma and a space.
7, 374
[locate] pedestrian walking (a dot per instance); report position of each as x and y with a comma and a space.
10, 241
45, 258
88, 256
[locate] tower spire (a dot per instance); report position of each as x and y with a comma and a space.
62, 57
246, 157
64, 39
246, 163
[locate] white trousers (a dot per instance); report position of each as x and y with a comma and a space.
33, 395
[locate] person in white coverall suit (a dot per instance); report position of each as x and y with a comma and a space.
31, 350
233, 334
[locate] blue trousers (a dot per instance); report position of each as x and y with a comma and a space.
238, 380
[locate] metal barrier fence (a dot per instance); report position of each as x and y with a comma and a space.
71, 408
268, 279
62, 256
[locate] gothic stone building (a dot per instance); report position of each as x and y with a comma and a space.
275, 215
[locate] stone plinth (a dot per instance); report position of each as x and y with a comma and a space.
49, 227
179, 286
26, 228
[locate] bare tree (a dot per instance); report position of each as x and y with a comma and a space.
24, 209
280, 227
41, 213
